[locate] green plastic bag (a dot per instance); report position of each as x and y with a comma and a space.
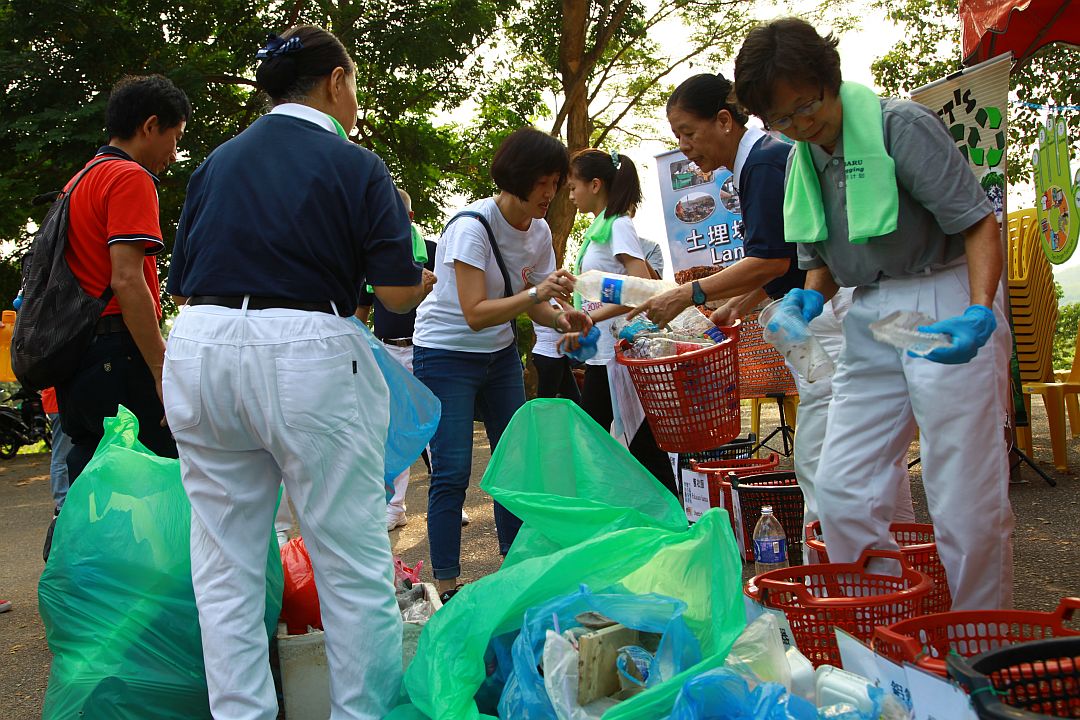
116, 595
592, 515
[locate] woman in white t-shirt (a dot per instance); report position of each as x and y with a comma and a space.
464, 347
607, 186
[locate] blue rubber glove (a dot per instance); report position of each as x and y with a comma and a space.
808, 303
969, 332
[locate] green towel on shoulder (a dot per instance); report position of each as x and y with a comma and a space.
869, 177
599, 232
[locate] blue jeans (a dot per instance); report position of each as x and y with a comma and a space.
464, 383
58, 469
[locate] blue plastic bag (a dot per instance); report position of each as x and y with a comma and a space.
414, 412
525, 694
723, 694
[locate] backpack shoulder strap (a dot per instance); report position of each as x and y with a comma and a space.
508, 289
85, 170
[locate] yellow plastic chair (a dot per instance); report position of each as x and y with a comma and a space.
1057, 396
1034, 312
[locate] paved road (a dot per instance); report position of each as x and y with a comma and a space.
1047, 557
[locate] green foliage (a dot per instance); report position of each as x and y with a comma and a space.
930, 50
59, 58
1065, 335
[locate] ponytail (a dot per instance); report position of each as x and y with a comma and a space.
618, 174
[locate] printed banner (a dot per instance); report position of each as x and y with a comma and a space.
974, 103
701, 213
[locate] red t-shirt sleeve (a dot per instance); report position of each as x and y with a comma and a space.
132, 211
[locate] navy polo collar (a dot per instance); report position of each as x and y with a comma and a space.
117, 152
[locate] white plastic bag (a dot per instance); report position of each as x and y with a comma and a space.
758, 655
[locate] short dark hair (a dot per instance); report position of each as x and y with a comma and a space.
291, 75
622, 182
704, 96
788, 49
525, 156
136, 98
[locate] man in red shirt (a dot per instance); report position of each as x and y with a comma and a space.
113, 235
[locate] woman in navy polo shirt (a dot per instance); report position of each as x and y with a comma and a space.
267, 379
464, 340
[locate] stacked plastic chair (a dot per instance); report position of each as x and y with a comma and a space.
1034, 316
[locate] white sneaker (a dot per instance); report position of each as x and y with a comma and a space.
395, 518
464, 518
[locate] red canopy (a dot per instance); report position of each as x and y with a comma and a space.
992, 27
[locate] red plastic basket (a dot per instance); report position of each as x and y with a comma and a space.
926, 641
916, 541
717, 472
692, 400
817, 599
752, 492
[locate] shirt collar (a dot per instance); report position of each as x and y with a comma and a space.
822, 157
305, 112
117, 152
746, 144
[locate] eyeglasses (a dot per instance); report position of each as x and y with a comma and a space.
783, 123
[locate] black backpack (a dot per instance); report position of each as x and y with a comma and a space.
57, 318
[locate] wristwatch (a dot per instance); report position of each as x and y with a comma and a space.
698, 295
533, 295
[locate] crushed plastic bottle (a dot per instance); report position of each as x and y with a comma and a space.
587, 348
618, 289
900, 329
629, 330
770, 543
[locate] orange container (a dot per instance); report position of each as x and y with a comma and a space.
817, 599
6, 373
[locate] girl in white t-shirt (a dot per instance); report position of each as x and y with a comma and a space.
464, 346
607, 186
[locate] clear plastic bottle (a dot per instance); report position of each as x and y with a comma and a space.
770, 543
587, 348
618, 289
629, 330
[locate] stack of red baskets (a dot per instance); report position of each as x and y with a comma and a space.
691, 401
718, 474
916, 541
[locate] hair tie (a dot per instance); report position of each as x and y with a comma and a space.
276, 47
615, 159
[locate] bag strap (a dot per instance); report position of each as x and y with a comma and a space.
107, 293
507, 289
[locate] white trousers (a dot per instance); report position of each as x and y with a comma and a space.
879, 394
401, 483
814, 413
254, 398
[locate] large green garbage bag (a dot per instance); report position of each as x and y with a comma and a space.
592, 516
116, 595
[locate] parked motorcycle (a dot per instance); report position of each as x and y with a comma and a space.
24, 424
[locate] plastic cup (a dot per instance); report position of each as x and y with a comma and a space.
789, 333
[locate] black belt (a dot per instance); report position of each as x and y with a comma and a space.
108, 324
397, 342
261, 303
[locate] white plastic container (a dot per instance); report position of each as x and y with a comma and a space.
803, 680
305, 675
835, 686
